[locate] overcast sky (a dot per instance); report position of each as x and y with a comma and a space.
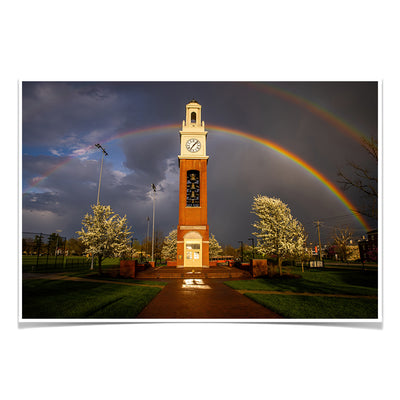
318, 122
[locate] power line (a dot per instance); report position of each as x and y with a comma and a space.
335, 217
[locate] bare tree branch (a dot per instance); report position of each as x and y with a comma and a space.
362, 179
371, 145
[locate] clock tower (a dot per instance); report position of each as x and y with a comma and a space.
193, 233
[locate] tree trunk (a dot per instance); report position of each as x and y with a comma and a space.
280, 265
100, 258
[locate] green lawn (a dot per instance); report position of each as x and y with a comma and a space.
43, 298
303, 307
51, 263
341, 282
325, 281
105, 277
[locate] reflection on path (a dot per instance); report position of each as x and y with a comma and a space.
194, 284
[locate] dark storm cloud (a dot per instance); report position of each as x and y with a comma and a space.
65, 192
149, 155
65, 114
72, 189
48, 201
68, 175
64, 118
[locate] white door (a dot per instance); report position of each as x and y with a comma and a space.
193, 254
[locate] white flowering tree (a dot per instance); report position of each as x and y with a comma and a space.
278, 233
214, 248
104, 234
168, 251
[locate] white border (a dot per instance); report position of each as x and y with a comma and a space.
19, 246
50, 321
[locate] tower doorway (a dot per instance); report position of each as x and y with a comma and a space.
193, 250
193, 254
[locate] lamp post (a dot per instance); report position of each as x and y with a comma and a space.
56, 250
58, 232
101, 169
241, 249
98, 190
152, 237
147, 238
252, 243
132, 240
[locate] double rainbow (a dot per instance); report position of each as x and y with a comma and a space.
332, 119
216, 128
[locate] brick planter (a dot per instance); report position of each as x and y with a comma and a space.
127, 268
259, 268
171, 263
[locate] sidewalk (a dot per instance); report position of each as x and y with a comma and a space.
203, 298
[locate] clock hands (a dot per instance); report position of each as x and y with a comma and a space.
194, 144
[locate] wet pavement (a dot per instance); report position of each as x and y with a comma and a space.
203, 298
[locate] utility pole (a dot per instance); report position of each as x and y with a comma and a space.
318, 223
152, 240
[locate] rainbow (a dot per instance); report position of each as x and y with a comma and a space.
315, 109
265, 142
37, 180
298, 161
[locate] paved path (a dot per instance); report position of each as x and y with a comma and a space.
203, 298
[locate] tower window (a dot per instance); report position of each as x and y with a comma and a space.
193, 189
193, 117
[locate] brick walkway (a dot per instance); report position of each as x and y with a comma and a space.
203, 298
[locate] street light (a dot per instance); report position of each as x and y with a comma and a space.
241, 248
98, 190
252, 243
132, 240
101, 169
58, 232
147, 238
152, 239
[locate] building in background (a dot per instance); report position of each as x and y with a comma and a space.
369, 247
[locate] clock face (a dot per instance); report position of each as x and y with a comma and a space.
193, 145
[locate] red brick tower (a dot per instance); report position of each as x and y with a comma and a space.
193, 234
